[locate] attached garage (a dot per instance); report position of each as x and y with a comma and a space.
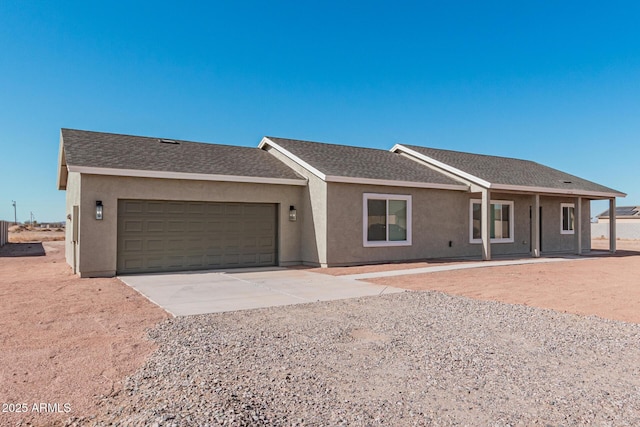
156, 235
142, 205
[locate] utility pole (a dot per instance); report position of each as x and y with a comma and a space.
15, 215
31, 218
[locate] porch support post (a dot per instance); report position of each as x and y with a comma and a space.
535, 227
486, 224
612, 225
577, 226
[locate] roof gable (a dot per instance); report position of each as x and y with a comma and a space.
107, 153
507, 173
343, 163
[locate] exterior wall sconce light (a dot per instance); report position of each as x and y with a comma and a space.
293, 214
99, 209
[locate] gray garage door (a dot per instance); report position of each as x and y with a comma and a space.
158, 236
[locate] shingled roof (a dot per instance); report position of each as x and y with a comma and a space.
508, 173
98, 152
624, 212
341, 162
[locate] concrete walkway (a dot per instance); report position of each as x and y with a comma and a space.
461, 266
188, 293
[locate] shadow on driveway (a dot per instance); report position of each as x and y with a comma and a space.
15, 250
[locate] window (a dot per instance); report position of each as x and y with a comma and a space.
501, 221
567, 220
386, 220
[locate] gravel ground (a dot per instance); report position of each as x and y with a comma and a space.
415, 358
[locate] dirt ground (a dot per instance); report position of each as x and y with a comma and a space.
22, 234
607, 285
67, 340
64, 340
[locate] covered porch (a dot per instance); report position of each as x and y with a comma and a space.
571, 222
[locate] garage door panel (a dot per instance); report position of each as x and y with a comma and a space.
155, 207
172, 236
214, 209
154, 226
249, 242
195, 226
154, 262
249, 258
175, 261
133, 245
231, 259
176, 226
134, 263
214, 259
176, 207
175, 245
195, 260
266, 258
265, 242
132, 207
132, 226
196, 209
154, 245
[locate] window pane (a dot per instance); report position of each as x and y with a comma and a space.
568, 218
506, 217
477, 220
397, 220
495, 222
499, 221
571, 217
376, 220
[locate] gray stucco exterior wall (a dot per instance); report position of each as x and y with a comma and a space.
553, 241
97, 253
72, 199
313, 214
440, 225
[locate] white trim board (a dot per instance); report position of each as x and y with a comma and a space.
184, 175
476, 180
296, 159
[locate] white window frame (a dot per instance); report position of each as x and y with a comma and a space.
567, 205
365, 214
511, 239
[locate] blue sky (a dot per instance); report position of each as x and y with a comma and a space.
554, 82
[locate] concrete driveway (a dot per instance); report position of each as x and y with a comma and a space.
199, 292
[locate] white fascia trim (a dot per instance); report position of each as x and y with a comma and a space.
390, 183
522, 188
183, 175
437, 163
293, 157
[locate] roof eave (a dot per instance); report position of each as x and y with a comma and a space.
63, 171
90, 170
559, 191
394, 183
491, 186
